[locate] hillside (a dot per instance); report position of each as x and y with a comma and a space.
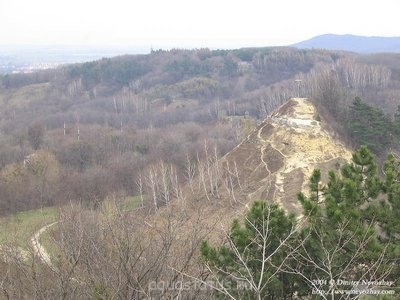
273, 163
353, 43
101, 126
142, 158
153, 250
276, 160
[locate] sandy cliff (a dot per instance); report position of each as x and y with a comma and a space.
276, 160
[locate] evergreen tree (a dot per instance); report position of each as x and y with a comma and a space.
369, 126
360, 178
250, 265
388, 212
391, 207
351, 232
396, 122
35, 135
341, 240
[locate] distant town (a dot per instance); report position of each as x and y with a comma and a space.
29, 59
24, 69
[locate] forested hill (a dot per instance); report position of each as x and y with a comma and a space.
137, 165
139, 83
91, 130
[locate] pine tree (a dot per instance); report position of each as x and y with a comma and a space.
388, 212
391, 220
255, 255
360, 178
341, 240
396, 122
369, 126
350, 231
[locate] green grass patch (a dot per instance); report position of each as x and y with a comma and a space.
20, 227
130, 203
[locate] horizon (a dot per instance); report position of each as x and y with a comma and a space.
23, 58
188, 24
145, 49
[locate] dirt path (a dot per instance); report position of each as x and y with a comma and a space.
38, 249
279, 174
263, 148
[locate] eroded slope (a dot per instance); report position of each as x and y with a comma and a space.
277, 159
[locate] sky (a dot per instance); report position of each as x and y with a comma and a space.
165, 24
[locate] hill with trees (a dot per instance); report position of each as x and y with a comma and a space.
149, 158
106, 121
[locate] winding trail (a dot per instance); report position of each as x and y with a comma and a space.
277, 182
41, 252
262, 150
38, 248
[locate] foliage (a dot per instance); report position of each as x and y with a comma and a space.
250, 265
396, 121
78, 155
117, 72
369, 126
30, 184
347, 236
343, 234
188, 66
133, 111
35, 135
389, 220
246, 54
230, 68
148, 101
196, 87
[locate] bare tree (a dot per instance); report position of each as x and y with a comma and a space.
139, 184
253, 260
190, 172
152, 183
328, 274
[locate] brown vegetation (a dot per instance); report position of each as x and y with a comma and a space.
174, 128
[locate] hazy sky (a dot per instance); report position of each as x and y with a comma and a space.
191, 24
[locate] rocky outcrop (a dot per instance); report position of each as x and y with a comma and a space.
276, 160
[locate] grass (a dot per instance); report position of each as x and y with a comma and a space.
46, 239
17, 229
130, 203
48, 242
20, 227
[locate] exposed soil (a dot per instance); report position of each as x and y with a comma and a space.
274, 158
277, 159
292, 184
38, 249
287, 108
